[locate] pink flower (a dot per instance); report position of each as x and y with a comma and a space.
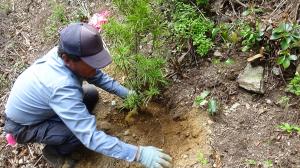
98, 19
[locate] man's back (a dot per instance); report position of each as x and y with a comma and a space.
28, 102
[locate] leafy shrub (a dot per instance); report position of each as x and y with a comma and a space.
250, 35
294, 85
288, 35
285, 58
190, 26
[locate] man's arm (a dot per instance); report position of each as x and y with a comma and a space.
107, 83
66, 101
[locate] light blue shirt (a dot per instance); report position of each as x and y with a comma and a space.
48, 89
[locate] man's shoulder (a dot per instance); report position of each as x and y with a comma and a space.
51, 71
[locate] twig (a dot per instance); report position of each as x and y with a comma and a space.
232, 6
279, 6
192, 51
37, 161
198, 9
239, 2
31, 154
11, 39
281, 74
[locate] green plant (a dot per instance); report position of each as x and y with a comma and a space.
191, 26
216, 61
142, 27
229, 61
212, 107
284, 101
5, 7
201, 99
285, 58
289, 128
251, 162
294, 85
201, 159
57, 18
223, 29
202, 2
268, 163
252, 10
288, 35
250, 35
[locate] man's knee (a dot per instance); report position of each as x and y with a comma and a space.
91, 96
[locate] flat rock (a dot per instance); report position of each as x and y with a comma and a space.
252, 79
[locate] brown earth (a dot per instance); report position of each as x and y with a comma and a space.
183, 138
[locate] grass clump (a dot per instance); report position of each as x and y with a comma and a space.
57, 19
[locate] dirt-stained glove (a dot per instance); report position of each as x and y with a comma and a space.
152, 157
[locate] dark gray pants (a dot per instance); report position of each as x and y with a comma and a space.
53, 132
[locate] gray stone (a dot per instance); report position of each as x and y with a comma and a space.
252, 79
276, 71
217, 54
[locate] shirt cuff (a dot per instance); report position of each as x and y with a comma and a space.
131, 151
122, 92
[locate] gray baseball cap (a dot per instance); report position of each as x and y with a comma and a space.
84, 41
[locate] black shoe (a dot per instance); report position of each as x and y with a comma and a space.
53, 157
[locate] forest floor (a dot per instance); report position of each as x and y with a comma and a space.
244, 133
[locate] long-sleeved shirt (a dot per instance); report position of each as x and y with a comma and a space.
48, 88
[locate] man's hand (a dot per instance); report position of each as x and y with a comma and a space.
152, 157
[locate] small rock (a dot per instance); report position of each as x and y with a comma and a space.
15, 151
113, 103
261, 111
92, 4
187, 134
252, 79
21, 161
247, 106
276, 71
105, 126
234, 106
185, 156
217, 54
214, 165
210, 122
127, 132
268, 101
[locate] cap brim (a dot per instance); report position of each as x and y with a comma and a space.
100, 60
